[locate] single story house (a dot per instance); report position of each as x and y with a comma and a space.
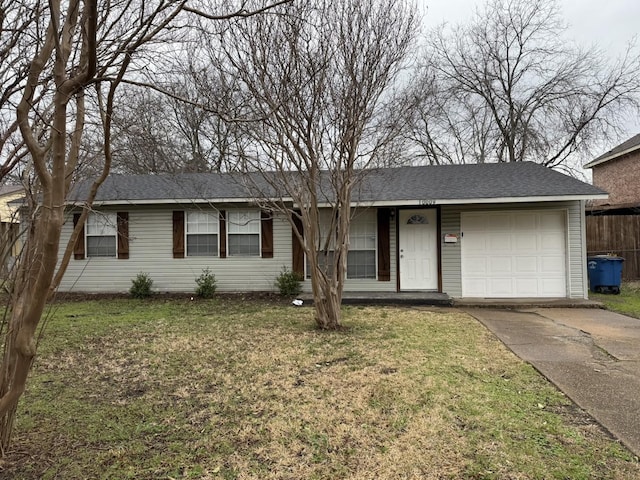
483, 230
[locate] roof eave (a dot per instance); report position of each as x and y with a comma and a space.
602, 160
169, 201
464, 201
370, 203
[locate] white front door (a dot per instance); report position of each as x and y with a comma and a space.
418, 237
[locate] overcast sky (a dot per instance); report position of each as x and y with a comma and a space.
610, 24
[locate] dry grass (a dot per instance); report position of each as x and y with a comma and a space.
628, 302
249, 390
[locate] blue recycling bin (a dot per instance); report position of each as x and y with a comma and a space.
605, 273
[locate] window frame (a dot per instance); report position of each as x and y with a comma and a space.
111, 221
230, 224
373, 222
212, 213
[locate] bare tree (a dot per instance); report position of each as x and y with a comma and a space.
315, 79
445, 125
151, 137
68, 40
513, 66
173, 126
77, 55
159, 133
16, 16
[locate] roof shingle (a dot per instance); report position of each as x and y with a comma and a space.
441, 182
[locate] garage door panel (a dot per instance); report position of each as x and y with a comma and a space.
526, 264
552, 241
475, 224
500, 222
499, 242
477, 241
550, 286
499, 265
552, 221
552, 264
525, 241
477, 265
514, 254
525, 221
501, 287
527, 287
477, 288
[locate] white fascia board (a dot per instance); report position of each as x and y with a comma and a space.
375, 203
611, 157
173, 201
463, 201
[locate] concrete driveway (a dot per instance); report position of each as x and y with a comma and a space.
592, 355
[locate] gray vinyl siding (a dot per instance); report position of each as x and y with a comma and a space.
451, 264
576, 253
151, 251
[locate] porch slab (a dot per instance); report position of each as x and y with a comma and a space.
389, 298
444, 300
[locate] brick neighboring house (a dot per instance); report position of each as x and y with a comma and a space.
613, 225
618, 172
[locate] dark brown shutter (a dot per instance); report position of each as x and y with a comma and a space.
123, 235
223, 234
266, 230
297, 261
178, 234
78, 248
384, 250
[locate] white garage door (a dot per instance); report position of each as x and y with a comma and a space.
514, 254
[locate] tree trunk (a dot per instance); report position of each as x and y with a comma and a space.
327, 300
35, 272
327, 296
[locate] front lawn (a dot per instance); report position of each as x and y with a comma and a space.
628, 302
176, 389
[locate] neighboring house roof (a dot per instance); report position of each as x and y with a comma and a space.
8, 189
9, 196
625, 147
501, 182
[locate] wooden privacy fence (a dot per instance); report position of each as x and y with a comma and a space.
618, 235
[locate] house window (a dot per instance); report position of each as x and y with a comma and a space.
361, 258
202, 234
101, 234
243, 233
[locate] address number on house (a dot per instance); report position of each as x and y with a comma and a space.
427, 202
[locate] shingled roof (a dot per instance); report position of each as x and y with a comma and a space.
9, 189
625, 147
518, 181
